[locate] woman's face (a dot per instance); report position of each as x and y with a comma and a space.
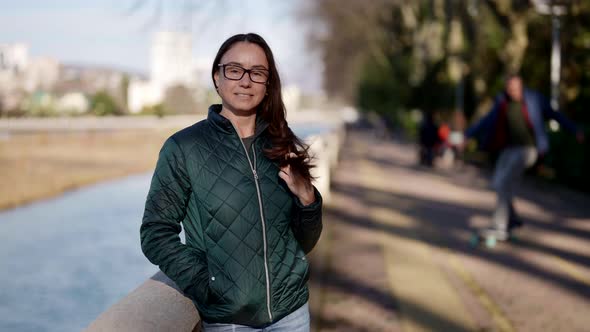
242, 96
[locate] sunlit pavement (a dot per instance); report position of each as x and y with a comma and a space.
395, 254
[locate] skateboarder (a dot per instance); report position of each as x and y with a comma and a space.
514, 128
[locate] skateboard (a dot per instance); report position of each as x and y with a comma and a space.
488, 237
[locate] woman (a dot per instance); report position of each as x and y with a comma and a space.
240, 184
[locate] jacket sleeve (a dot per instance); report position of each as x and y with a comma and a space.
165, 208
550, 113
307, 222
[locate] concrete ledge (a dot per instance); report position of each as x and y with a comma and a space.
24, 125
157, 305
325, 149
319, 148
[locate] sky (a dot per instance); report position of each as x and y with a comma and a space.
108, 33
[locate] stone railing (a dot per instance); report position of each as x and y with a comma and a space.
157, 305
19, 125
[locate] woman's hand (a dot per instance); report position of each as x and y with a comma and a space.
301, 188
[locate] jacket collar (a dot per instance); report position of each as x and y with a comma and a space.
223, 124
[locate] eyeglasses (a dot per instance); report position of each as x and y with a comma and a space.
235, 73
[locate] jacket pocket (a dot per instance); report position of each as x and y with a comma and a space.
216, 283
301, 268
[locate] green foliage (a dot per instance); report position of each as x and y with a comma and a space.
435, 92
158, 110
408, 123
124, 88
394, 56
569, 159
103, 104
380, 91
537, 61
42, 111
39, 104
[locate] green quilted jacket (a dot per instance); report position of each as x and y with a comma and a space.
246, 233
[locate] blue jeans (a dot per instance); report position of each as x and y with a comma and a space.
511, 164
297, 321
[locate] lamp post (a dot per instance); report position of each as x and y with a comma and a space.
556, 9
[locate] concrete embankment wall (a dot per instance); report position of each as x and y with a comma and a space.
22, 125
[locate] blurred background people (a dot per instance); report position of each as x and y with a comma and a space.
429, 139
515, 129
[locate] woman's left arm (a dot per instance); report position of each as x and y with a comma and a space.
307, 210
307, 222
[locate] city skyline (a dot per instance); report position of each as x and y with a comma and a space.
110, 34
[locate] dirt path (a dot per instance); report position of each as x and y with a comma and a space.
395, 254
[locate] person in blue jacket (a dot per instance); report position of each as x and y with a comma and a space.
515, 128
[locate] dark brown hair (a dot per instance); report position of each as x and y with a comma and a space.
272, 111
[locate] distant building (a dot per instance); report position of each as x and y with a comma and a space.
15, 68
13, 101
14, 57
171, 59
171, 65
25, 82
91, 79
291, 98
142, 93
72, 102
42, 73
18, 71
201, 71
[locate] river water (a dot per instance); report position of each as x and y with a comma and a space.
64, 261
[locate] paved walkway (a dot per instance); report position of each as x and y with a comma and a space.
395, 254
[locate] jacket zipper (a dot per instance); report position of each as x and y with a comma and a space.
253, 169
263, 232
